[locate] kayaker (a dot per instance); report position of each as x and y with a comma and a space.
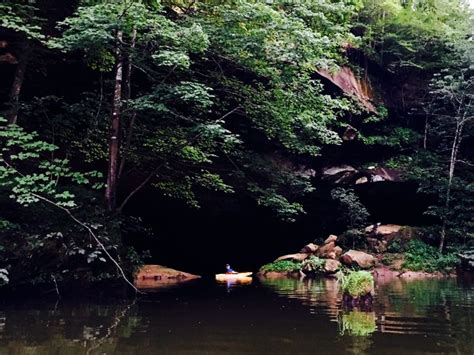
229, 270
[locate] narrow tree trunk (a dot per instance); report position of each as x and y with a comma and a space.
425, 136
114, 132
17, 85
127, 94
452, 165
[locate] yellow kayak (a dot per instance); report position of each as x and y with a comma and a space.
237, 276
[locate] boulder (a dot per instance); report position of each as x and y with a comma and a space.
340, 174
331, 238
380, 237
386, 174
296, 257
362, 180
358, 258
310, 248
338, 252
327, 251
383, 229
331, 266
157, 276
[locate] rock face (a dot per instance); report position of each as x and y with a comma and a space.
383, 229
381, 236
343, 174
386, 174
157, 276
331, 266
358, 258
310, 248
296, 257
331, 238
346, 80
327, 251
338, 252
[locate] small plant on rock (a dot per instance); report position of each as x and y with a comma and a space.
313, 264
356, 284
281, 266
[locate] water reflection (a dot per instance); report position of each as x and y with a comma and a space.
440, 309
320, 295
67, 329
271, 317
232, 283
357, 323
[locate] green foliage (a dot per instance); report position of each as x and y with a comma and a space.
270, 198
41, 189
224, 99
21, 17
356, 283
30, 176
420, 256
93, 29
353, 212
313, 264
395, 246
394, 137
414, 35
281, 266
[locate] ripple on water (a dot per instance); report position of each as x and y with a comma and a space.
268, 317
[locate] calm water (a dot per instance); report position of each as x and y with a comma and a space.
273, 317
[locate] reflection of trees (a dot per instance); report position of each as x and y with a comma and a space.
112, 329
415, 307
83, 329
421, 306
319, 292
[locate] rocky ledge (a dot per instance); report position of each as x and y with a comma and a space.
326, 258
158, 276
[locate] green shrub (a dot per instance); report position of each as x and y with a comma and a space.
281, 266
313, 264
395, 247
423, 257
388, 259
356, 283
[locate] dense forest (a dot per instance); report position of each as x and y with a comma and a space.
116, 110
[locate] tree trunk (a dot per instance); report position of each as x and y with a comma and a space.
127, 94
452, 165
114, 132
12, 114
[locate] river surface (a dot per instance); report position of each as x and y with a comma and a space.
270, 317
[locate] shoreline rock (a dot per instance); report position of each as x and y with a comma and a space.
158, 276
384, 274
358, 258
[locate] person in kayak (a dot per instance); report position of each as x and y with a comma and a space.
229, 270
